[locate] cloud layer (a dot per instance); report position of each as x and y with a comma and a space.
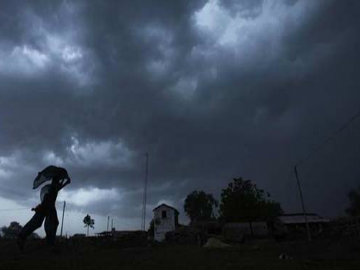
212, 90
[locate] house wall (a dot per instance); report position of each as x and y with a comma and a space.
236, 231
163, 225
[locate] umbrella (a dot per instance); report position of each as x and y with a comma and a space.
49, 173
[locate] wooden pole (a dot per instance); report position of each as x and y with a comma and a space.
302, 204
145, 191
62, 220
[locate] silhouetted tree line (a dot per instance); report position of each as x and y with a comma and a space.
12, 231
241, 201
354, 198
199, 206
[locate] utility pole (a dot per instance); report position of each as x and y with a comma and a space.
112, 224
145, 191
62, 220
302, 204
107, 227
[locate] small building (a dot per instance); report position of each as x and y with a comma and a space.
116, 234
78, 235
165, 220
126, 238
104, 234
299, 218
296, 222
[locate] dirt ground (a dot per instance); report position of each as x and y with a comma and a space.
264, 254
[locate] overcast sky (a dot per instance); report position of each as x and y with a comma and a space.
212, 90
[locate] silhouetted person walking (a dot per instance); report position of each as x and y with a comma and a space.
46, 209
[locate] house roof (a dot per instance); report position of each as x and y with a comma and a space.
113, 232
300, 219
299, 214
165, 205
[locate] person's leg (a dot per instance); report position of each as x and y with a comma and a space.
51, 224
33, 224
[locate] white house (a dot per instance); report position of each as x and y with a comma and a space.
165, 220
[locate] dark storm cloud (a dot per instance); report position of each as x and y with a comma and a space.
211, 90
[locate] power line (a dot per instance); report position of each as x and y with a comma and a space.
330, 138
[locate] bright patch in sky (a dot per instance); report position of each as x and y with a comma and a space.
161, 39
99, 152
242, 32
12, 211
23, 59
35, 57
185, 87
70, 57
87, 196
63, 47
7, 166
71, 54
51, 158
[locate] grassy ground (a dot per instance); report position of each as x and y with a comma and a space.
324, 254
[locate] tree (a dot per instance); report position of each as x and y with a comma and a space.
354, 198
89, 223
244, 201
151, 228
199, 206
13, 230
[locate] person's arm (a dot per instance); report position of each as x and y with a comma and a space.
65, 182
